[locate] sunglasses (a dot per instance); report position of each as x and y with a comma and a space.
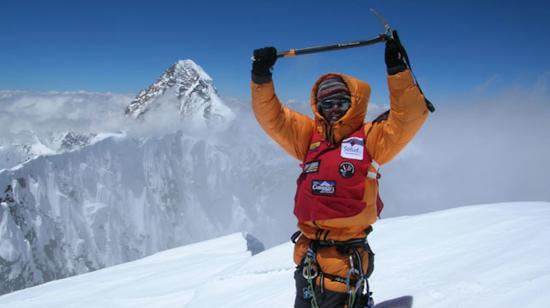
341, 103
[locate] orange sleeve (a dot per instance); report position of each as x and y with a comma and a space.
408, 112
290, 129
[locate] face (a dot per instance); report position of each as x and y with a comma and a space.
334, 109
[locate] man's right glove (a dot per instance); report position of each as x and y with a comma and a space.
264, 59
394, 54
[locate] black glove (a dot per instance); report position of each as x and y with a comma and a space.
264, 59
394, 54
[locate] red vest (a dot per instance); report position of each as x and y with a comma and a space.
332, 182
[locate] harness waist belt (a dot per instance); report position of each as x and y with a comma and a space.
358, 242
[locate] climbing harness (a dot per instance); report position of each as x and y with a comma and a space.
356, 280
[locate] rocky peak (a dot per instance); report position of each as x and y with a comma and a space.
72, 141
187, 88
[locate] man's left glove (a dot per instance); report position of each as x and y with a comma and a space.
264, 59
394, 55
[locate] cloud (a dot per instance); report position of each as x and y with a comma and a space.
484, 146
490, 82
46, 115
43, 114
487, 147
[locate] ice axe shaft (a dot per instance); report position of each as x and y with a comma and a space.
308, 50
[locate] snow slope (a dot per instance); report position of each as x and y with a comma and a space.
492, 255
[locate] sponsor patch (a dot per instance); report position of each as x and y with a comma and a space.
314, 146
323, 187
346, 169
352, 148
312, 167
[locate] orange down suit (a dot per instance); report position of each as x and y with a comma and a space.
293, 130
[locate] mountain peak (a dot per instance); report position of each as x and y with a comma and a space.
188, 69
187, 89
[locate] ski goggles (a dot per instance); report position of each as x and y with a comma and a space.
342, 103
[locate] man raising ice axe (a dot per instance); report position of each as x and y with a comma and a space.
337, 200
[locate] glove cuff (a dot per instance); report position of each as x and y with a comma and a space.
259, 79
396, 69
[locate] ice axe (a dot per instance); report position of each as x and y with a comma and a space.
388, 34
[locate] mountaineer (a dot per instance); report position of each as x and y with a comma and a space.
337, 200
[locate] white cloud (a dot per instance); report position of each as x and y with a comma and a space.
484, 148
25, 113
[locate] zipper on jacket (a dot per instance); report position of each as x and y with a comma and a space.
329, 135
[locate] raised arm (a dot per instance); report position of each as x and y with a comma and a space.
290, 129
408, 110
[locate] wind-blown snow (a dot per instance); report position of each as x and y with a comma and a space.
493, 255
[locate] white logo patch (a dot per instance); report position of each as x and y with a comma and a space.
352, 148
323, 187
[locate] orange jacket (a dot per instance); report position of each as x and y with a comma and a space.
293, 130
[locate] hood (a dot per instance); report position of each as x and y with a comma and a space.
352, 119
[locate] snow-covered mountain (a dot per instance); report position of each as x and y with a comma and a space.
493, 255
104, 199
123, 198
34, 124
12, 155
185, 88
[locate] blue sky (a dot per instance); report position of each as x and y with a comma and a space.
123, 46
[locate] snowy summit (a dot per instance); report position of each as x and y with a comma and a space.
186, 88
478, 256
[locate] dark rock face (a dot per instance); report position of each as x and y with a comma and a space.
253, 244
